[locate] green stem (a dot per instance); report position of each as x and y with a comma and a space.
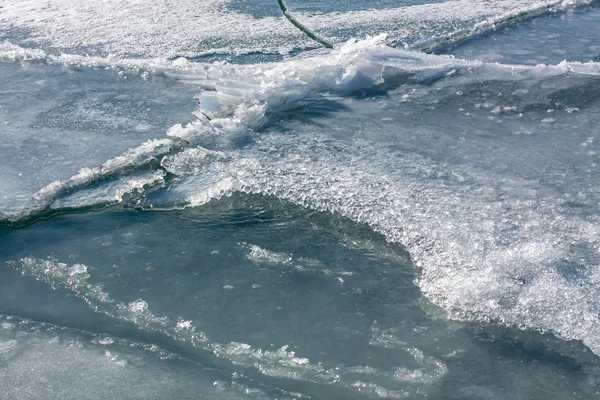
304, 29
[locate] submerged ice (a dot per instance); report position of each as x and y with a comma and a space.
328, 309
44, 360
366, 222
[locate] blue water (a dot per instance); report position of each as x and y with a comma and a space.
272, 220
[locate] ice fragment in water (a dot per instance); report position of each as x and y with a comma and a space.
138, 306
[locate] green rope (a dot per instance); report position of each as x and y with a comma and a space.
304, 29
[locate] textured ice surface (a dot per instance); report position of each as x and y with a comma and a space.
451, 166
261, 8
570, 36
54, 123
491, 208
366, 222
192, 28
272, 297
39, 360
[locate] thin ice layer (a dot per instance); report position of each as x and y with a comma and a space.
192, 28
280, 363
59, 125
569, 36
298, 307
497, 237
356, 324
485, 252
245, 96
40, 360
491, 218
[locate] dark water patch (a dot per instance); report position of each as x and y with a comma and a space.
269, 8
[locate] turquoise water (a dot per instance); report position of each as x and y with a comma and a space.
193, 209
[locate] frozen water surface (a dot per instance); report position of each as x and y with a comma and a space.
40, 360
262, 8
572, 36
358, 223
300, 301
55, 122
191, 28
